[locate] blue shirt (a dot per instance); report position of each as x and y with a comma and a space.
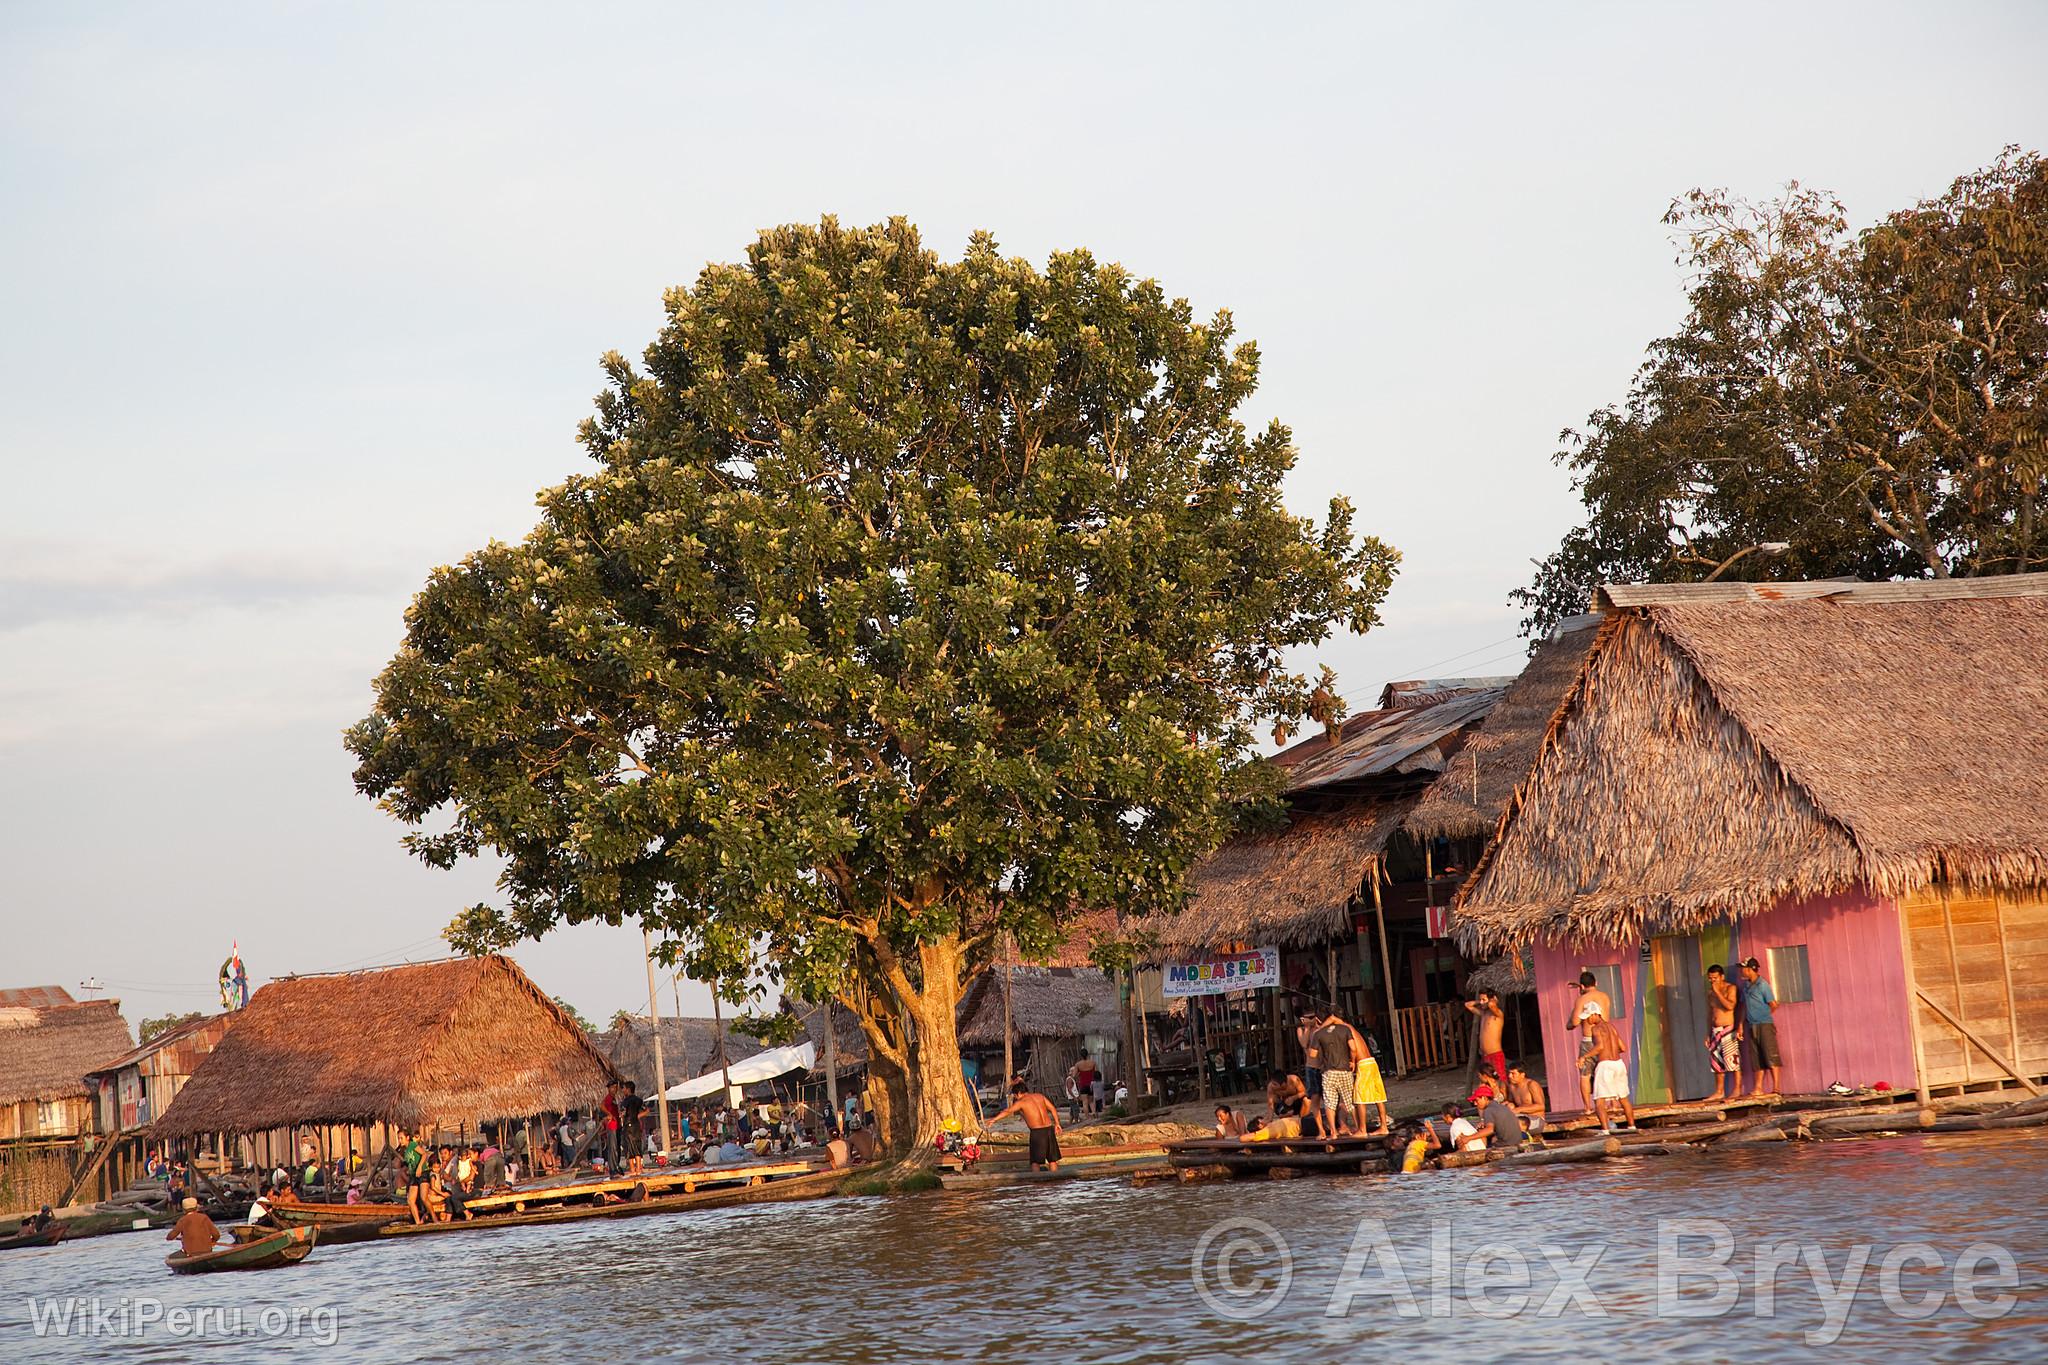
1757, 999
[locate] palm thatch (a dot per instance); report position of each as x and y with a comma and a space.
1507, 975
629, 1046
1718, 756
1045, 1002
1466, 802
429, 1045
850, 1045
46, 1053
1292, 887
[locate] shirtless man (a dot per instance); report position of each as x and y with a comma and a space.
1724, 1045
1526, 1098
1040, 1118
1610, 1074
1491, 1021
1311, 1068
194, 1230
1591, 1001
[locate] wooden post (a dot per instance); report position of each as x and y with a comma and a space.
1009, 1060
1912, 1003
654, 1022
1379, 911
1134, 1061
831, 1061
2012, 1013
2004, 1065
1144, 1028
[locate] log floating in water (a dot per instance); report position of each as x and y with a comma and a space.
1893, 1121
1577, 1151
1984, 1122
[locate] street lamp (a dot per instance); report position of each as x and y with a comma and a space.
1772, 548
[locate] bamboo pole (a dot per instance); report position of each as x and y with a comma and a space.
1009, 1060
654, 1022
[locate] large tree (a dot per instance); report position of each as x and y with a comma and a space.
1873, 401
909, 603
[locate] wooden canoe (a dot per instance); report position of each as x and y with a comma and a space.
48, 1237
259, 1253
301, 1213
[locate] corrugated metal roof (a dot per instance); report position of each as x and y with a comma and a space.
35, 997
1408, 740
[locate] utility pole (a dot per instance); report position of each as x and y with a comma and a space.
831, 1060
1009, 1066
654, 1022
724, 1066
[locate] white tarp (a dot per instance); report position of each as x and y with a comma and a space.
762, 1066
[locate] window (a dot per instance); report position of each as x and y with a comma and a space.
1787, 973
1608, 979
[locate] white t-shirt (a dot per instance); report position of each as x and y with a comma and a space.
1465, 1136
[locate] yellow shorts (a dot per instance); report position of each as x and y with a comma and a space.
1371, 1089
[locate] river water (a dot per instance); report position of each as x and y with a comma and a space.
1546, 1263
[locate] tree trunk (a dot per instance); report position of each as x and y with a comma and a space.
914, 1076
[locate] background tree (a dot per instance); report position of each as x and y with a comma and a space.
575, 1015
910, 602
1875, 401
151, 1029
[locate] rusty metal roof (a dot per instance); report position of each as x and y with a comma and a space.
1408, 740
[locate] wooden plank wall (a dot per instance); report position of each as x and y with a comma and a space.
1985, 960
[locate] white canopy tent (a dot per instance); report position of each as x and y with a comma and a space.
762, 1066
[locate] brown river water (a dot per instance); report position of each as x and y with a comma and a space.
1945, 1236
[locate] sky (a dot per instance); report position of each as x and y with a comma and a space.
299, 302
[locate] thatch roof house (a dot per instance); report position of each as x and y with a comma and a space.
45, 1054
1843, 780
1349, 795
136, 1086
429, 1045
1056, 1014
1467, 801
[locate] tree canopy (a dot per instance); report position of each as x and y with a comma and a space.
909, 602
1873, 401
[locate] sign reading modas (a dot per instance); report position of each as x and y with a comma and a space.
1220, 972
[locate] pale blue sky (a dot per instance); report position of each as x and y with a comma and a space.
299, 301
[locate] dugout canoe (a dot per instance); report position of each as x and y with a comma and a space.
303, 1214
762, 1190
285, 1247
47, 1237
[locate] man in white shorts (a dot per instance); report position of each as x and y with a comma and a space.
1610, 1074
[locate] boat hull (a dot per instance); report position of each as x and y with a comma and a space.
261, 1253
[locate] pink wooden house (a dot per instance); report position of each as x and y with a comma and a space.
1844, 781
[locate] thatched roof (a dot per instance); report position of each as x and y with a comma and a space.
1467, 800
849, 1043
46, 1053
1719, 754
428, 1045
1507, 975
1291, 886
1045, 1002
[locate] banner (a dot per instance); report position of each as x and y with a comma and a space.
1220, 972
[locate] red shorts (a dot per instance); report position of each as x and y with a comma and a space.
1499, 1062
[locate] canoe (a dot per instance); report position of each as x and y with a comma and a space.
260, 1253
48, 1237
300, 1213
816, 1185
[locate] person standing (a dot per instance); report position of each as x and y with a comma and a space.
1759, 1021
1335, 1044
1724, 1043
1311, 1069
611, 1129
1041, 1120
1492, 1021
1591, 1002
1369, 1088
1610, 1074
